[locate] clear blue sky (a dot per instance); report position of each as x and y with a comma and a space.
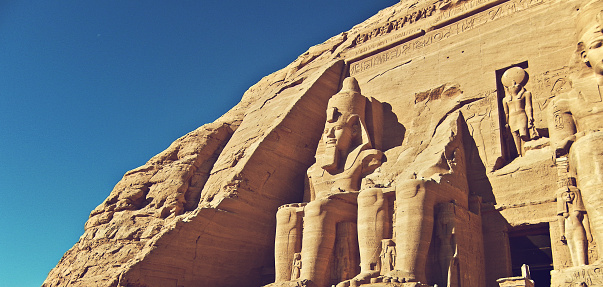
92, 89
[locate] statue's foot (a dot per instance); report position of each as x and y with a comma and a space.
292, 283
362, 278
400, 277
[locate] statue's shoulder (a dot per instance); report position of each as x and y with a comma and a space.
370, 159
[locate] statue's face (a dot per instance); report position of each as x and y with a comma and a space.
569, 196
593, 51
513, 88
338, 134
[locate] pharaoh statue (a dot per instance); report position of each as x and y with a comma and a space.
439, 180
345, 155
576, 124
517, 105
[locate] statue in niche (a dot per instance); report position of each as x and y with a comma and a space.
297, 265
517, 105
333, 185
388, 255
576, 118
572, 220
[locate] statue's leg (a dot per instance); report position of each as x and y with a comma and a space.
577, 242
320, 227
372, 226
517, 140
586, 157
287, 240
414, 228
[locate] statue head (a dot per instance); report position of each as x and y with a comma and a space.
344, 129
566, 194
590, 35
514, 79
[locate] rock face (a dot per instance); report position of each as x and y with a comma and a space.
438, 142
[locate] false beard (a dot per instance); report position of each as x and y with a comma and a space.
330, 158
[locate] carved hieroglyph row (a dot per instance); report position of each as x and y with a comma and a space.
435, 36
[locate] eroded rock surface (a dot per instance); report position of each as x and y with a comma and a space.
485, 109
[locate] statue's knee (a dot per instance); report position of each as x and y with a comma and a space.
410, 188
315, 208
370, 197
286, 215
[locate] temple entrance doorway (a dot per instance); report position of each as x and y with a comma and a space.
531, 245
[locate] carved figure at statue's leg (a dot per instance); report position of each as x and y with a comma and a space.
445, 229
414, 224
320, 226
453, 279
287, 240
576, 238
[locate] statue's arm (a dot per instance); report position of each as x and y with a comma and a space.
586, 224
506, 109
529, 108
561, 221
562, 128
309, 193
370, 160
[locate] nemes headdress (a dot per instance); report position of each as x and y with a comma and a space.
347, 102
590, 19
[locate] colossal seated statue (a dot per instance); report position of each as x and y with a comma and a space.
389, 230
346, 156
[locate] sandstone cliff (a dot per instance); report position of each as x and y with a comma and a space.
202, 212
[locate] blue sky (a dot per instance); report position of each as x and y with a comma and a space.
92, 89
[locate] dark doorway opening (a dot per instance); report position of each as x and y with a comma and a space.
531, 245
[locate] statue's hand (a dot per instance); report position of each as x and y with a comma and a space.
563, 239
562, 148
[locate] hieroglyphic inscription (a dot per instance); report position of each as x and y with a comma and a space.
395, 25
442, 8
477, 5
550, 84
592, 277
438, 35
464, 7
378, 59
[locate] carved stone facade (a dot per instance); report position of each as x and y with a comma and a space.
446, 142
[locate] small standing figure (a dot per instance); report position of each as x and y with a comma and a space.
388, 255
572, 221
296, 267
518, 106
